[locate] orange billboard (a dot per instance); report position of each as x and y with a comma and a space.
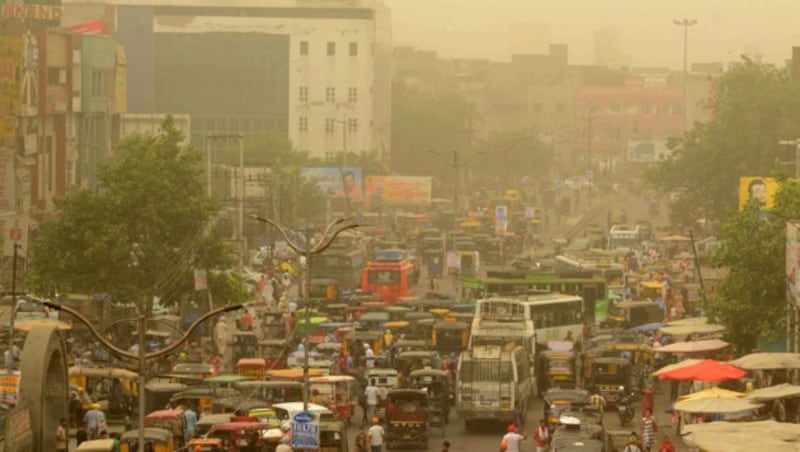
398, 190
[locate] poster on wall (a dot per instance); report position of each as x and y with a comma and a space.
399, 190
336, 182
762, 189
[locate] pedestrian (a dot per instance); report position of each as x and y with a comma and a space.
542, 436
371, 393
247, 321
512, 439
62, 441
75, 409
632, 446
598, 402
648, 402
95, 422
362, 441
190, 424
283, 445
649, 429
666, 445
80, 434
376, 434
115, 437
518, 411
446, 446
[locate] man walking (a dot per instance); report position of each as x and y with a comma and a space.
61, 436
372, 394
376, 434
542, 436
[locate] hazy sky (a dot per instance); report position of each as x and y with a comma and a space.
497, 28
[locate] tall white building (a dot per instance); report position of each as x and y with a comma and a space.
317, 70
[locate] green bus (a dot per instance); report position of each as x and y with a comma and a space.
593, 290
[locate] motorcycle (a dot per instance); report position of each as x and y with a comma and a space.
624, 411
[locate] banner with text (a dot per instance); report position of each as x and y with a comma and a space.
335, 182
398, 190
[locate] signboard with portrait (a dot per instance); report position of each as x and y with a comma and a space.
399, 190
762, 189
792, 262
336, 182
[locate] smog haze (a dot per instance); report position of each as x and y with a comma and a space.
644, 31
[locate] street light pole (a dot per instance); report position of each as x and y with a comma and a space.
140, 356
329, 234
685, 23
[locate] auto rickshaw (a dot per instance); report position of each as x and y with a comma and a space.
158, 394
373, 338
406, 362
373, 320
193, 371
557, 400
337, 312
397, 313
201, 397
405, 344
170, 420
336, 392
273, 324
155, 439
244, 345
293, 374
272, 392
557, 370
450, 336
206, 421
325, 290
397, 327
205, 445
223, 381
314, 323
273, 351
241, 436
650, 289
252, 368
424, 328
333, 436
407, 417
437, 385
87, 403
611, 377
121, 391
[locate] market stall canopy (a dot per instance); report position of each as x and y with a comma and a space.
103, 372
775, 392
688, 321
743, 436
713, 392
674, 238
720, 405
670, 367
764, 361
27, 325
709, 345
697, 328
706, 370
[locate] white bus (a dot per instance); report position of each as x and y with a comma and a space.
491, 380
554, 316
500, 321
624, 236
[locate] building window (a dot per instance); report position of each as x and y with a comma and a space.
303, 94
303, 124
330, 125
353, 49
352, 125
352, 95
98, 84
331, 48
330, 94
303, 47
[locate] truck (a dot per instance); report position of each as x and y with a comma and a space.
624, 236
491, 381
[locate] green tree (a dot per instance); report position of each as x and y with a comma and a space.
421, 123
751, 300
141, 235
754, 105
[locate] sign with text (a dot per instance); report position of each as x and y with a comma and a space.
399, 190
305, 430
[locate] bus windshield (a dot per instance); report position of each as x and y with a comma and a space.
486, 370
384, 277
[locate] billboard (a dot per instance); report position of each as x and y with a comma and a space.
335, 182
792, 262
407, 190
647, 151
763, 189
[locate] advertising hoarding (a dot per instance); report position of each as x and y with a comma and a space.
792, 262
399, 190
335, 182
763, 189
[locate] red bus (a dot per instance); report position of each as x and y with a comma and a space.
390, 279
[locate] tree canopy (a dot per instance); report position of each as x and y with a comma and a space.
141, 235
754, 107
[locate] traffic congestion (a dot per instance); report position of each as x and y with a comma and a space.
426, 336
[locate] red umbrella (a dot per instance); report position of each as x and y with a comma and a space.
706, 370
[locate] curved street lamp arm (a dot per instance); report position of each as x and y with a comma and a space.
328, 240
111, 347
203, 318
275, 225
332, 224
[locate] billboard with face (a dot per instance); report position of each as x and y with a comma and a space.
336, 182
761, 189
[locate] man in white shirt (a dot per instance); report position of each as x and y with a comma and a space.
372, 394
369, 356
376, 434
513, 439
